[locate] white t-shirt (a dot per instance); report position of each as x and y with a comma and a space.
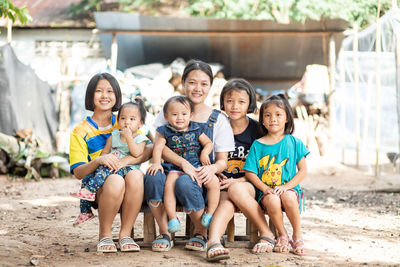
222, 134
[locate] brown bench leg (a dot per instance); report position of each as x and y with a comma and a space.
231, 230
149, 227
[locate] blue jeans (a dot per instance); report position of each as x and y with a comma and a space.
188, 193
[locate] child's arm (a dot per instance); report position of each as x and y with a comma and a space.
207, 145
107, 147
172, 157
205, 173
105, 158
298, 178
134, 149
157, 153
253, 178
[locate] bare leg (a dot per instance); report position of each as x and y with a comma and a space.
169, 195
221, 218
291, 205
109, 198
273, 205
132, 203
158, 210
213, 193
198, 227
243, 195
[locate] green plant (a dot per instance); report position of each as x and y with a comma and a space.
9, 10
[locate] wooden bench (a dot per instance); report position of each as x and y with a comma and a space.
149, 230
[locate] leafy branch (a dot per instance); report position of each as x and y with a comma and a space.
10, 11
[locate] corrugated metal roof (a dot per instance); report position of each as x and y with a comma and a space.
256, 50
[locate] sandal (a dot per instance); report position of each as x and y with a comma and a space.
282, 245
298, 246
83, 217
84, 194
269, 245
174, 225
206, 219
106, 241
213, 249
128, 241
162, 239
198, 238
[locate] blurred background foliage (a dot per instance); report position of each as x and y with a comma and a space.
361, 12
10, 11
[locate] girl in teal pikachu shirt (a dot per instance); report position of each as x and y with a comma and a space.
276, 165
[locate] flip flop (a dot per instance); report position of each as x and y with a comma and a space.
84, 194
269, 244
199, 238
163, 239
83, 217
282, 245
106, 241
213, 249
297, 245
128, 241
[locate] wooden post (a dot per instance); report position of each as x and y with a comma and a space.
367, 110
9, 30
114, 54
342, 106
149, 231
378, 89
231, 230
397, 53
332, 70
357, 93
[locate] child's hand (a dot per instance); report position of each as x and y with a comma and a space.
126, 133
189, 169
205, 159
280, 189
154, 168
205, 173
110, 161
268, 191
221, 176
226, 183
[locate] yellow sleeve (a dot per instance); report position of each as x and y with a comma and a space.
78, 151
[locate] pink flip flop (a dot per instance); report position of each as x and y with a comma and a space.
84, 194
83, 217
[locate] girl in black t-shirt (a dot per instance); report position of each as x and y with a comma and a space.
237, 99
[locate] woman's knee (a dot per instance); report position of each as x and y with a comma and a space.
114, 185
240, 190
134, 179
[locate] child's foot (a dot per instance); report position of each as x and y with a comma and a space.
83, 217
206, 219
298, 246
84, 194
282, 244
174, 225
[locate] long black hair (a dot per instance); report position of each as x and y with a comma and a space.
282, 102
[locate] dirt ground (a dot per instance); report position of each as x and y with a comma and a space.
348, 222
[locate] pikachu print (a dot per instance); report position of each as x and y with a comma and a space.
272, 175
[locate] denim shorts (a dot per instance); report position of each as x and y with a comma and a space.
188, 193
